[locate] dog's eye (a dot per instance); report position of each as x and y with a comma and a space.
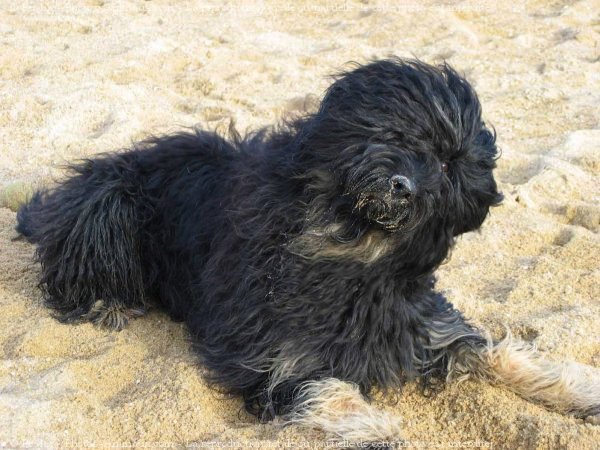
444, 167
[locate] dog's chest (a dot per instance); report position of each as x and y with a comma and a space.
357, 324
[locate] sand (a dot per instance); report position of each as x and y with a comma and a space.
77, 78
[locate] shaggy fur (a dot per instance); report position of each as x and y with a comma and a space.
302, 257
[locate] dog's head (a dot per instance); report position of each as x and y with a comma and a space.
402, 145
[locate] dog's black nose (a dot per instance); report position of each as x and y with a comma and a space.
402, 186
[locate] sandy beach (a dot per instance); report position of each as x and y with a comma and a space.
78, 78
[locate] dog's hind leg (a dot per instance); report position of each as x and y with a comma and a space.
111, 316
87, 235
561, 386
338, 408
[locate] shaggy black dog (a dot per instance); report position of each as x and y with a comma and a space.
302, 257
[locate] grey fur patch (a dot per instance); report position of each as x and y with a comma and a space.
318, 244
116, 317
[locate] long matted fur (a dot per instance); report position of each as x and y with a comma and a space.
300, 257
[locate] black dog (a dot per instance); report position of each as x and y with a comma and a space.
300, 257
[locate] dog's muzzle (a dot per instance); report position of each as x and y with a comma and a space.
390, 204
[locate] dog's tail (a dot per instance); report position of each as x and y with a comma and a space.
88, 241
26, 217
